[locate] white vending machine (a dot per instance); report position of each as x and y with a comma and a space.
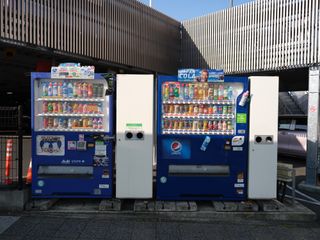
135, 136
263, 137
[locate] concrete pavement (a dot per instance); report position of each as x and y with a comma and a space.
80, 227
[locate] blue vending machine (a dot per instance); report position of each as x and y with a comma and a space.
202, 143
72, 131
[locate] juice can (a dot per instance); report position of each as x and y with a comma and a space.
45, 123
90, 90
165, 108
186, 109
65, 123
210, 109
210, 125
75, 108
200, 125
80, 108
94, 123
54, 107
181, 109
50, 108
214, 125
229, 125
224, 125
60, 110
170, 124
85, 122
45, 107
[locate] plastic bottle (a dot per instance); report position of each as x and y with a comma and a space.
50, 107
85, 90
210, 93
176, 91
65, 89
215, 92
230, 93
191, 92
244, 98
79, 90
165, 91
186, 91
90, 90
60, 92
220, 92
195, 92
50, 89
55, 89
74, 90
182, 91
225, 93
205, 143
171, 93
70, 90
44, 89
200, 91
100, 124
224, 125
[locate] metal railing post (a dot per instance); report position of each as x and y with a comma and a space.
20, 148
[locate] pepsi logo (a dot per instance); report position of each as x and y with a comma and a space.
176, 146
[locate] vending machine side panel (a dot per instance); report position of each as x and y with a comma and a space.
263, 137
135, 137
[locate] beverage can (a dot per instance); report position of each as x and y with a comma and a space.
181, 109
210, 125
95, 90
210, 109
186, 92
205, 125
190, 109
80, 123
195, 125
219, 125
50, 122
45, 122
65, 107
214, 109
176, 91
45, 107
60, 123
80, 108
186, 125
90, 123
100, 123
60, 108
205, 143
200, 125
79, 90
55, 89
205, 109
65, 89
181, 124
94, 123
100, 90
230, 110
75, 123
214, 125
229, 125
170, 124
165, 124
85, 108
75, 108
186, 109
171, 109
99, 108
201, 109
165, 91
69, 108
90, 90
70, 123
224, 125
84, 90
60, 92
220, 110
54, 107
75, 90
55, 122
176, 125
225, 110
85, 122
195, 110
176, 109
65, 123
166, 108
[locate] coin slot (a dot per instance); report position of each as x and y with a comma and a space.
139, 135
258, 139
129, 135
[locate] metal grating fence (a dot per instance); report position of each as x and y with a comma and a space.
260, 35
124, 32
11, 147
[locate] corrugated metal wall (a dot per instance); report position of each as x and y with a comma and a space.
124, 32
260, 35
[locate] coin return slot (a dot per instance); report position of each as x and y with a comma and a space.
140, 135
258, 139
129, 135
269, 139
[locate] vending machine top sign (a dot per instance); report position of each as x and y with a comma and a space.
72, 70
200, 75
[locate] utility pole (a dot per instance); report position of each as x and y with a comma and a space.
230, 3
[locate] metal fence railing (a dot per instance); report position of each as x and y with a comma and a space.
11, 147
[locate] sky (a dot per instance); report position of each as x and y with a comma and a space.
188, 9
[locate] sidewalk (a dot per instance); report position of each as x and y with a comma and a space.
58, 227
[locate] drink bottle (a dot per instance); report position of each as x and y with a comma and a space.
219, 126
100, 124
45, 107
226, 93
229, 125
205, 143
210, 93
44, 89
165, 91
244, 99
230, 93
60, 92
176, 91
74, 90
50, 90
70, 90
220, 92
215, 92
45, 122
182, 91
195, 92
90, 123
65, 89
186, 91
191, 92
90, 90
200, 92
55, 89
50, 107
171, 91
224, 125
79, 90
95, 123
